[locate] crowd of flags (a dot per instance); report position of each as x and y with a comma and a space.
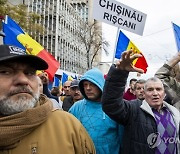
57, 82
15, 35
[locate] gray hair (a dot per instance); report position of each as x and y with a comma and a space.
153, 79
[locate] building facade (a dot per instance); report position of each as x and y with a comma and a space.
65, 21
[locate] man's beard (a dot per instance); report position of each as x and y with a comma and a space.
9, 106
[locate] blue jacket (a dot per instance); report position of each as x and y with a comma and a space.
105, 133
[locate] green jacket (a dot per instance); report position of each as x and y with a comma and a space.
61, 133
172, 87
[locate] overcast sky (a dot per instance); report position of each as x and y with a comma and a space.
158, 42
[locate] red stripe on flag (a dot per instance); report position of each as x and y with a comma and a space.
52, 63
141, 63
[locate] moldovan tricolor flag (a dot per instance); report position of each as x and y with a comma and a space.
65, 77
16, 36
177, 35
124, 44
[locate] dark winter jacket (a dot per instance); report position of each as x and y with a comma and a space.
48, 94
67, 103
136, 116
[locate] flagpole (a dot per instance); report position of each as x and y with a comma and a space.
117, 35
2, 34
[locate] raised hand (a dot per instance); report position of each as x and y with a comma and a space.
125, 63
44, 77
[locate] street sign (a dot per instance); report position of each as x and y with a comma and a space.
119, 15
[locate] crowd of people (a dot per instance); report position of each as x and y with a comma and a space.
93, 114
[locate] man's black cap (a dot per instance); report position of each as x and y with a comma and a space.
74, 83
13, 53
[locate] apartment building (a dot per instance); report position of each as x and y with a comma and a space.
65, 21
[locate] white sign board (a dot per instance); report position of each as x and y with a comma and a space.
119, 15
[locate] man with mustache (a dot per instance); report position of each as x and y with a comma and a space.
28, 122
75, 95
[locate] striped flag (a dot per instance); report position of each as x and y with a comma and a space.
65, 77
16, 36
56, 82
124, 44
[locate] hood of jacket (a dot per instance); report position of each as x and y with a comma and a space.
94, 76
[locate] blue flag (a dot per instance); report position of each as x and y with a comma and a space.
13, 24
64, 78
177, 35
122, 44
12, 30
11, 36
56, 82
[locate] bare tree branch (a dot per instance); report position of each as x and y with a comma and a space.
94, 43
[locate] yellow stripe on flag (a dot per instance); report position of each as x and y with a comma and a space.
70, 78
135, 50
32, 47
